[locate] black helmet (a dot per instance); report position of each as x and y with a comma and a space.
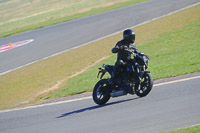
129, 35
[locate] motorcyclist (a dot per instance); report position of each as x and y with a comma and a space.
123, 48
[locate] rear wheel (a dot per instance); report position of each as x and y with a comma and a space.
101, 92
145, 86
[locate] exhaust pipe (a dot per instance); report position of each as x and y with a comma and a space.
115, 93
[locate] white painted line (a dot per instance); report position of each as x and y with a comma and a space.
186, 127
14, 45
101, 38
175, 81
48, 104
89, 97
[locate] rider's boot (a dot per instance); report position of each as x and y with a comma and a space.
113, 81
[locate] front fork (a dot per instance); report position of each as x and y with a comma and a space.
139, 74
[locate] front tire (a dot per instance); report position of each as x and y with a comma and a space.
145, 86
101, 93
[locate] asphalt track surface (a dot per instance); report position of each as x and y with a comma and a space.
168, 106
57, 38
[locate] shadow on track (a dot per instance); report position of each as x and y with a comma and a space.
94, 107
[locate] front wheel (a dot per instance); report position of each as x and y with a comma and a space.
101, 92
145, 86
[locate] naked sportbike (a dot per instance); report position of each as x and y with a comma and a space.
133, 79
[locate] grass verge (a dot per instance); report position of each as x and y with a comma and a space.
24, 84
23, 15
172, 53
194, 129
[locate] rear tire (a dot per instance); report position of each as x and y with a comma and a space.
101, 93
145, 86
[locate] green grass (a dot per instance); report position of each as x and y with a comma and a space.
176, 52
30, 82
172, 53
19, 15
194, 129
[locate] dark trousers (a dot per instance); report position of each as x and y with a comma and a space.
118, 65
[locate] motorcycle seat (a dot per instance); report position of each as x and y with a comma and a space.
110, 66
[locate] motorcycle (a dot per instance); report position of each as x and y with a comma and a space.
132, 79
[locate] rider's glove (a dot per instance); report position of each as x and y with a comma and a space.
123, 47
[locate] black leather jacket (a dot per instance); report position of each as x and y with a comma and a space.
124, 55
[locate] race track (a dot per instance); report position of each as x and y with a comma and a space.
168, 106
57, 38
